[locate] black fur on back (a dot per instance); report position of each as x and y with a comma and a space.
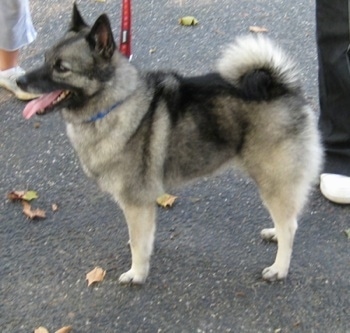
200, 92
194, 93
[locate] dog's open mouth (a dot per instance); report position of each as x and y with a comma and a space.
44, 103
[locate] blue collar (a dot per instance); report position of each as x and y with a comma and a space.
104, 113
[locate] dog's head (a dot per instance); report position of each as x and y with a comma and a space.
75, 68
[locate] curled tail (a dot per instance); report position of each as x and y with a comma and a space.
258, 68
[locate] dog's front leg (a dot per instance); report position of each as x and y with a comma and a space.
141, 224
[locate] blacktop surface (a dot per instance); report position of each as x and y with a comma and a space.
206, 269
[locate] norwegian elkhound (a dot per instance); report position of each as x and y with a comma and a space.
137, 134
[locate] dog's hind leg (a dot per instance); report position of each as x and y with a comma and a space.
269, 234
284, 231
284, 203
141, 224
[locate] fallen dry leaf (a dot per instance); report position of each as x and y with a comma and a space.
41, 330
65, 329
54, 207
347, 233
32, 213
188, 20
15, 195
96, 275
22, 195
152, 50
30, 195
254, 28
166, 200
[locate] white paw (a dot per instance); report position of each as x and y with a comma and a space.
132, 277
273, 273
269, 234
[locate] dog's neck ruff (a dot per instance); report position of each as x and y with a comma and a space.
104, 113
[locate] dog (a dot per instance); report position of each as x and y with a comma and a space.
140, 133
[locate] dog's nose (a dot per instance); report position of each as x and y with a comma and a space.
22, 82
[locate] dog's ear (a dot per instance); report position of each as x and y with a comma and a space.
77, 22
101, 38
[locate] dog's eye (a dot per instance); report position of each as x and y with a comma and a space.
61, 67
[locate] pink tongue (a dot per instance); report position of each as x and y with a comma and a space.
40, 104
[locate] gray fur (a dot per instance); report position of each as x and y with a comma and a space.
168, 130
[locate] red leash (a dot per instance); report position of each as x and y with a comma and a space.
125, 35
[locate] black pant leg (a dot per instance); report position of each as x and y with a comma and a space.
333, 40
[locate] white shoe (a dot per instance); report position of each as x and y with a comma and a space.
8, 81
335, 188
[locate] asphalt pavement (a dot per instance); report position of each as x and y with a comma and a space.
206, 269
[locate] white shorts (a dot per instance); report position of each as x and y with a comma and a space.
17, 28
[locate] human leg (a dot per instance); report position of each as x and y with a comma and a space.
17, 31
333, 40
8, 59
